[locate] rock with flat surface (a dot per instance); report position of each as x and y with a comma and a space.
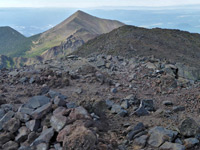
159, 135
6, 118
11, 145
136, 129
44, 137
33, 125
190, 142
141, 111
58, 122
79, 113
140, 142
37, 101
172, 146
26, 110
42, 111
148, 104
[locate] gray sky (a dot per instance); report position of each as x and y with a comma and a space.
95, 3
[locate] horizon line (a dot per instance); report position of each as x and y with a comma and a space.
111, 7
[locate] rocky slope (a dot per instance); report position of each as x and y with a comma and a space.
79, 25
102, 102
181, 48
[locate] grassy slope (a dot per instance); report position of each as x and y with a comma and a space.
173, 45
13, 43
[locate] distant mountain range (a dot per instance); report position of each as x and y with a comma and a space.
58, 41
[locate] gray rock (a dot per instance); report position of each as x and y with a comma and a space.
37, 101
71, 105
113, 90
148, 104
5, 137
53, 94
32, 80
2, 113
25, 148
178, 141
122, 113
42, 146
116, 108
189, 128
26, 110
31, 137
57, 146
137, 129
45, 137
12, 125
132, 99
59, 102
22, 134
125, 104
42, 111
141, 111
190, 142
159, 135
141, 141
109, 104
172, 146
167, 103
7, 107
6, 118
13, 73
100, 63
10, 146
23, 79
178, 108
58, 122
22, 117
33, 125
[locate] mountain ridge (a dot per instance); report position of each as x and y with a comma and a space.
169, 45
78, 20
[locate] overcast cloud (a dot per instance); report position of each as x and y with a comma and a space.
95, 3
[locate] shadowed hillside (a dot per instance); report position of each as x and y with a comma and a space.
173, 45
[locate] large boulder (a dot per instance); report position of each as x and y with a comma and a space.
189, 128
188, 72
37, 101
80, 139
159, 135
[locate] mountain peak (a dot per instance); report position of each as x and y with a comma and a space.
80, 14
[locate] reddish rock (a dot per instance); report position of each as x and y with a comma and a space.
80, 139
79, 113
62, 111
